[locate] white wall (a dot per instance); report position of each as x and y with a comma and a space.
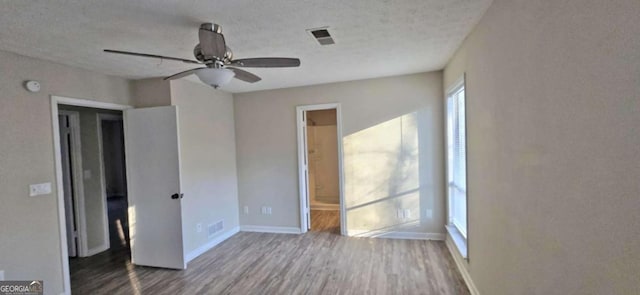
208, 160
29, 237
553, 109
393, 144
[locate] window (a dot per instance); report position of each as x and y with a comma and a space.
457, 159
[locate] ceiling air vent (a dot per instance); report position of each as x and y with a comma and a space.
322, 35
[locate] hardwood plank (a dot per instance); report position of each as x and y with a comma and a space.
325, 220
263, 263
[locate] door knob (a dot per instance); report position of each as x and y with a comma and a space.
177, 196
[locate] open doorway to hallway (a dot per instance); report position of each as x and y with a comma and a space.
112, 135
94, 185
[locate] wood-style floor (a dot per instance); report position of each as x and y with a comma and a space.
325, 220
263, 263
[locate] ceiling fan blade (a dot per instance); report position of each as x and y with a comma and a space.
212, 44
244, 75
266, 62
183, 74
152, 56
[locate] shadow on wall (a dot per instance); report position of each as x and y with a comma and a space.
384, 190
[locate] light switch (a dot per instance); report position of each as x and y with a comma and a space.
40, 189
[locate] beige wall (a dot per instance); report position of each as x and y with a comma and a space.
553, 109
207, 160
29, 237
152, 92
393, 152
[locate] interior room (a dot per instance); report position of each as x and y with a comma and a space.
334, 147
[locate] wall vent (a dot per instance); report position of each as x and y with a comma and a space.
322, 35
215, 228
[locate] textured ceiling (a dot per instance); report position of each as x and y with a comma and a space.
373, 38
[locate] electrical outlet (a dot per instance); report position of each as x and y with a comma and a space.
40, 189
246, 209
266, 210
199, 227
407, 213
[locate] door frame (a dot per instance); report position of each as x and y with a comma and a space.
62, 230
103, 181
303, 177
75, 154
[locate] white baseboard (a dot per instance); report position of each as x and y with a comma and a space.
460, 264
395, 235
206, 247
270, 229
325, 207
96, 250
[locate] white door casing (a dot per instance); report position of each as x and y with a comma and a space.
303, 165
55, 123
65, 134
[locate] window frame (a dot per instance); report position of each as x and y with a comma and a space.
459, 235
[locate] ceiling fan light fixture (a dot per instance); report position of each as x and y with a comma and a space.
213, 56
215, 77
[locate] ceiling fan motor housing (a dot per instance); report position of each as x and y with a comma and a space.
197, 53
211, 27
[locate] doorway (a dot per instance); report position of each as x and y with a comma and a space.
320, 163
94, 181
111, 137
95, 189
71, 177
153, 192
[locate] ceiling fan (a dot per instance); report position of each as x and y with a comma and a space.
217, 58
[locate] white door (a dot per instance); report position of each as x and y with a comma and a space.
65, 156
153, 178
